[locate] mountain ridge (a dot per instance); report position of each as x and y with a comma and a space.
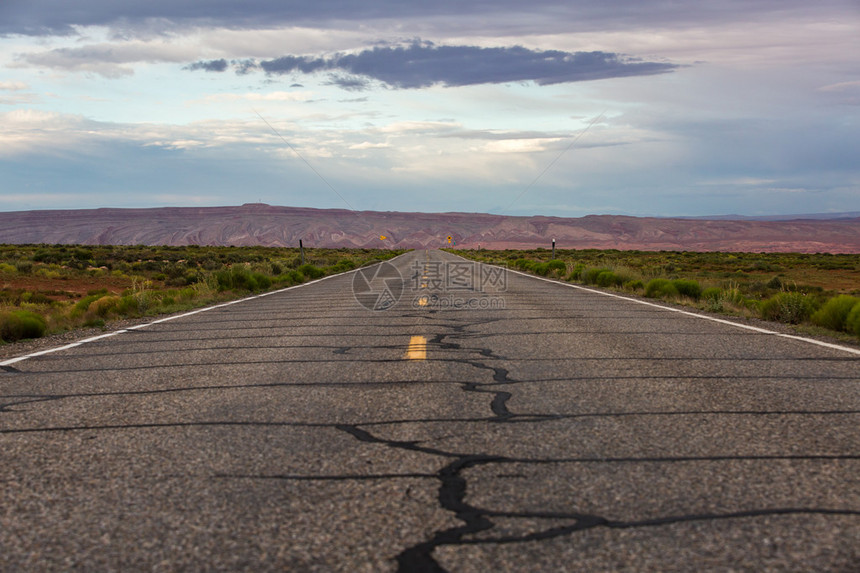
267, 225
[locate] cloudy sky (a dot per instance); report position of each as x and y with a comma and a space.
638, 107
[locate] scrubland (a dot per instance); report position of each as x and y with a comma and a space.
52, 288
818, 292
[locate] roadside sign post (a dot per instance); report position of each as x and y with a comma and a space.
553, 249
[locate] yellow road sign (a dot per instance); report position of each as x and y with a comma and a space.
450, 238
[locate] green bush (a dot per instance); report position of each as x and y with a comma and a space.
589, 277
714, 299
852, 323
103, 306
523, 264
712, 294
341, 266
607, 279
577, 272
556, 265
311, 271
293, 277
84, 304
834, 313
660, 288
128, 306
634, 285
688, 287
21, 324
187, 294
789, 307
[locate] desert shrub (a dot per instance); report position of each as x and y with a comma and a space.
556, 265
83, 305
834, 313
523, 264
226, 279
21, 324
712, 293
341, 266
540, 269
24, 267
35, 298
276, 269
789, 307
688, 287
589, 277
103, 305
7, 268
714, 299
660, 288
260, 281
774, 283
577, 272
128, 306
634, 285
852, 322
187, 294
311, 271
46, 256
292, 277
239, 278
607, 279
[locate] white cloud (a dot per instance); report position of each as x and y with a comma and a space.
13, 86
419, 126
518, 145
16, 97
298, 96
110, 59
370, 145
268, 43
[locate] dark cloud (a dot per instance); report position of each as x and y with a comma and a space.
42, 17
350, 83
210, 66
423, 64
243, 67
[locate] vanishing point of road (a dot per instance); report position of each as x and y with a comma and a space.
432, 415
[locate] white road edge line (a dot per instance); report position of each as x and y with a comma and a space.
11, 361
693, 314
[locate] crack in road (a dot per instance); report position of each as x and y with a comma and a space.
453, 485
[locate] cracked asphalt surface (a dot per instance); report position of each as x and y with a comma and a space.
546, 428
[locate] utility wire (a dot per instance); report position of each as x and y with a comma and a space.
551, 163
299, 155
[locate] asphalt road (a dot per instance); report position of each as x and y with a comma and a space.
485, 422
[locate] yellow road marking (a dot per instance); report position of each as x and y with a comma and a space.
424, 300
417, 349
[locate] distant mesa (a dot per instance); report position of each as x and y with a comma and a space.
268, 225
